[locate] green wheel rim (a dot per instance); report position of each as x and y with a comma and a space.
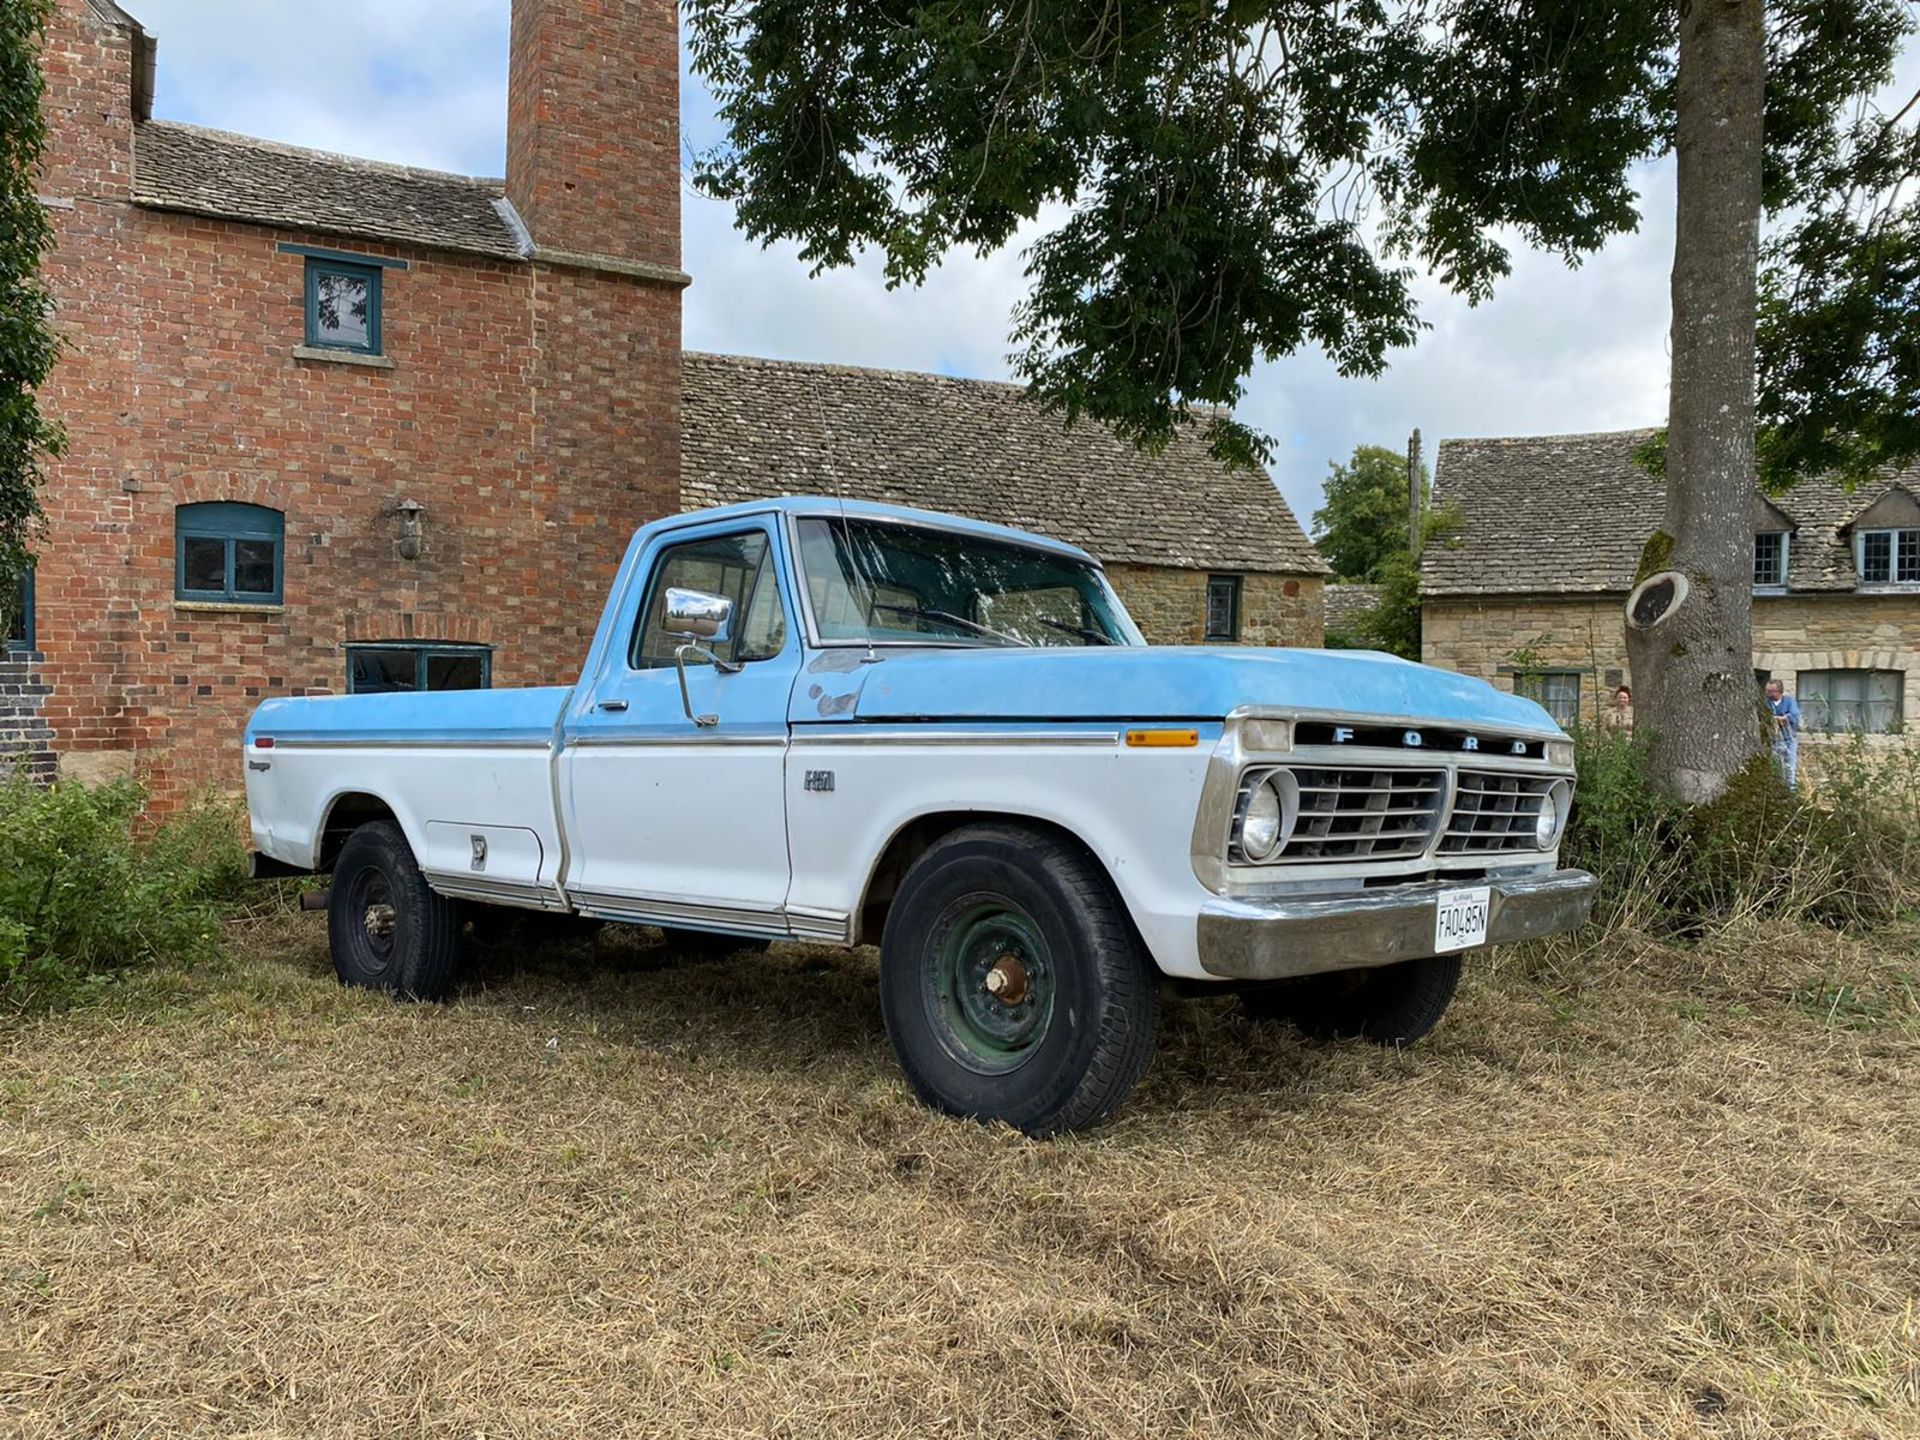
990, 984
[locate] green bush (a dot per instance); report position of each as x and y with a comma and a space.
1843, 855
86, 886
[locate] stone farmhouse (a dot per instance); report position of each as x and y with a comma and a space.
340, 425
1531, 592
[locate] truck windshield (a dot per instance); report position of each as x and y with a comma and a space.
872, 581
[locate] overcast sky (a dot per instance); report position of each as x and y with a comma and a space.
424, 83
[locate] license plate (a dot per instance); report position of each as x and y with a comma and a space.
1460, 919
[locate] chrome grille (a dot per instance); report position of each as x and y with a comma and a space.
1350, 813
1494, 813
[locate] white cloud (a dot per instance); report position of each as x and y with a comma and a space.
425, 83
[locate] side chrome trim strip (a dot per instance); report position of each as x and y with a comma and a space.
689, 742
494, 892
930, 735
778, 923
348, 743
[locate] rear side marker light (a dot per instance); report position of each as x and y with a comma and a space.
1162, 739
263, 742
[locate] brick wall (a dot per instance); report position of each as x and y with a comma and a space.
1170, 605
25, 741
533, 409
1493, 636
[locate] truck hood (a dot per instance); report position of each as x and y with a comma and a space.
1146, 683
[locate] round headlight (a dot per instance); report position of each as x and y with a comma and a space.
1555, 806
1268, 816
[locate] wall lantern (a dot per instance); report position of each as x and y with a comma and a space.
412, 532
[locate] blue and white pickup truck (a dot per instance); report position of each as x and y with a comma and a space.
850, 723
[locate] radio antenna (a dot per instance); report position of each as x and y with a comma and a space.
846, 531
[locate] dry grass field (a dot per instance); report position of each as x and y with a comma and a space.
607, 1193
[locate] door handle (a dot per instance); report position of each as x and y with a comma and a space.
616, 706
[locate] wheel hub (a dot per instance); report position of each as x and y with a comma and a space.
379, 921
1008, 980
990, 984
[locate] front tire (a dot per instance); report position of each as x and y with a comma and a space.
1013, 984
1389, 1004
387, 929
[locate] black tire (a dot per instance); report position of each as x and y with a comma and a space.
1389, 1005
706, 945
387, 930
1077, 1037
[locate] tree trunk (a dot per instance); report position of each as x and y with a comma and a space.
1690, 623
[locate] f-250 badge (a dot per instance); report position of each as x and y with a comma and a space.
821, 780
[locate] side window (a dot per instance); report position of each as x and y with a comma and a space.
380, 668
1223, 607
229, 554
343, 306
1557, 690
18, 615
738, 567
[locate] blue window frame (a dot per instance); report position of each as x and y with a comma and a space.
343, 305
229, 554
19, 616
386, 666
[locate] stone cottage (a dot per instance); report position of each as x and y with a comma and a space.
1531, 591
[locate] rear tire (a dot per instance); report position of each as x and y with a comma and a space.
388, 931
1013, 984
1389, 1005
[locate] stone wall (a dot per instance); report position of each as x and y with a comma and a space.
1170, 605
1492, 636
26, 743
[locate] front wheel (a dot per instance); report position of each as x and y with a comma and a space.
1013, 984
1389, 1004
387, 929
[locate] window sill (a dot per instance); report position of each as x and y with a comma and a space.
225, 607
342, 357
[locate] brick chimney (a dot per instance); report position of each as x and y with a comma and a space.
593, 127
98, 63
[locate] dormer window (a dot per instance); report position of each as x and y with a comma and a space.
1888, 557
1770, 560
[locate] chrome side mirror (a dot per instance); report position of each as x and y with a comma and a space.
695, 617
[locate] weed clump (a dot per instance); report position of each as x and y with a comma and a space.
1842, 856
88, 887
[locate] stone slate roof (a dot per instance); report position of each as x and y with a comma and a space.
1569, 514
235, 177
754, 428
1347, 603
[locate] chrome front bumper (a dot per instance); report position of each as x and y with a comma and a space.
1274, 939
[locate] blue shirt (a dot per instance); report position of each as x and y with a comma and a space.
1786, 736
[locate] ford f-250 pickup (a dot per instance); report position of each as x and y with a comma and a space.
850, 723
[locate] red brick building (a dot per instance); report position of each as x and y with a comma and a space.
338, 425
333, 423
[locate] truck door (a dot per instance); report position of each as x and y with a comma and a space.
669, 820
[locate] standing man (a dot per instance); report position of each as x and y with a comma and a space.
1786, 731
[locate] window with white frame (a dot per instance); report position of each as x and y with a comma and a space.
1557, 690
1770, 560
1888, 557
1841, 702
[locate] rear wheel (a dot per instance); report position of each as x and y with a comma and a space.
387, 930
1389, 1004
1013, 984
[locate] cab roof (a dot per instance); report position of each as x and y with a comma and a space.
829, 507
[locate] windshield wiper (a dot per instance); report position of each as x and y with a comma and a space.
1087, 633
957, 622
